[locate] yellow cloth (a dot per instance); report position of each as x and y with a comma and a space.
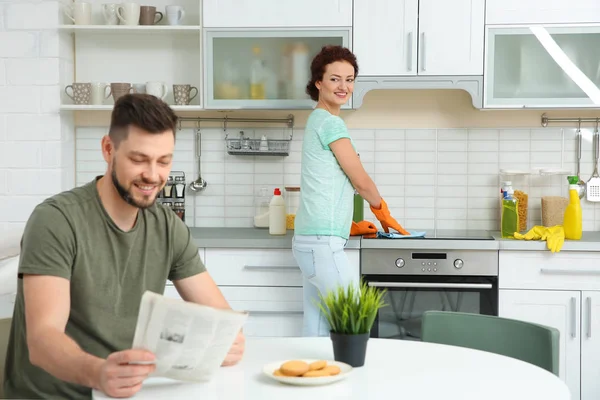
554, 236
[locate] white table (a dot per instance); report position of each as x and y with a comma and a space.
393, 369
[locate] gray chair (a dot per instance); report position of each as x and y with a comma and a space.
4, 334
532, 343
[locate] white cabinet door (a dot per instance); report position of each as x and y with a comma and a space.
559, 309
7, 305
542, 11
385, 37
451, 37
276, 13
590, 345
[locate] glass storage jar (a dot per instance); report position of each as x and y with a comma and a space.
292, 200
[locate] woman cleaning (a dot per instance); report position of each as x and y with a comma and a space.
331, 170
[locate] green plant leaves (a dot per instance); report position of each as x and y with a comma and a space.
352, 310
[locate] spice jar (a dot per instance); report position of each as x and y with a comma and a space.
292, 199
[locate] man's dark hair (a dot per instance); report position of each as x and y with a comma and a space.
144, 111
327, 55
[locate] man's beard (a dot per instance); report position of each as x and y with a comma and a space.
126, 195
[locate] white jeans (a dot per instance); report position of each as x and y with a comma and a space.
325, 266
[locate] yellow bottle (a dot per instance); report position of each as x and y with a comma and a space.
573, 219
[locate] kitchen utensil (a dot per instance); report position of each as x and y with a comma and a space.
593, 184
581, 183
199, 184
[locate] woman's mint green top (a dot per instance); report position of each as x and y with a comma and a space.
326, 194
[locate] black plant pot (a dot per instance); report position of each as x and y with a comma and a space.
350, 349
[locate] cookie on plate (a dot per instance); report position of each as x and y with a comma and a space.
294, 368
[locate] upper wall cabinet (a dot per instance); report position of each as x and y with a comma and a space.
542, 66
412, 37
542, 11
263, 68
276, 13
419, 44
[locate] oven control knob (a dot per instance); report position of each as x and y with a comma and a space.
458, 263
399, 263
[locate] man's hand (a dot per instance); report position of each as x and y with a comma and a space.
121, 377
236, 351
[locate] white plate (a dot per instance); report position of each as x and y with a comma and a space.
300, 381
514, 172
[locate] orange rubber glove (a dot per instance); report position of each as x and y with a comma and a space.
383, 215
362, 228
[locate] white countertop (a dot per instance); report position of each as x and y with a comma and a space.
393, 369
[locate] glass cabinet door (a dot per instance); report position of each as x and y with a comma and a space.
542, 66
266, 69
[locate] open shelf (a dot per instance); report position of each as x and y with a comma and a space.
123, 29
109, 107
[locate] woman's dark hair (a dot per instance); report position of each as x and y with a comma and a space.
327, 55
144, 111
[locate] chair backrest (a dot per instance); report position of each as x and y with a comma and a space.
4, 334
532, 343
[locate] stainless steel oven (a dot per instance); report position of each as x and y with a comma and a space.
426, 279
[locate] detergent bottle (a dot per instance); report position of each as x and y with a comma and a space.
573, 219
510, 215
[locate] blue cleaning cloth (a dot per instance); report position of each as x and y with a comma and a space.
413, 234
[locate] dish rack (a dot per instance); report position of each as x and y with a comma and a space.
252, 147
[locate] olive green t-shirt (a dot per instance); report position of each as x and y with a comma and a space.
70, 235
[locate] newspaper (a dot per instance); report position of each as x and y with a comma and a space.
189, 340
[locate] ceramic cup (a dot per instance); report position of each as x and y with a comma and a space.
99, 92
109, 11
148, 15
129, 13
119, 89
81, 92
175, 14
80, 13
181, 94
157, 89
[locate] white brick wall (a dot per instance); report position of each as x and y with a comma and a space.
430, 178
36, 142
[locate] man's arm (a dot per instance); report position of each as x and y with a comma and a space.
47, 307
202, 289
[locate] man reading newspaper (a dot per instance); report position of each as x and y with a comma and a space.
89, 254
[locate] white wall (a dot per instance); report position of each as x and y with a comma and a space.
430, 178
36, 143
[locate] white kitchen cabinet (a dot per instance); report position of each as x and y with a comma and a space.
285, 55
558, 309
385, 37
276, 13
542, 66
451, 37
7, 305
412, 37
542, 11
560, 290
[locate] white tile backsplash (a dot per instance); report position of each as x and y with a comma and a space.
444, 178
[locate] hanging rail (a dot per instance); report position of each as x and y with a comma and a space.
546, 120
289, 121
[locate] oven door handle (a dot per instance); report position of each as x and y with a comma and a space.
431, 285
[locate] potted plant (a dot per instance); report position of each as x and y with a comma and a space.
351, 312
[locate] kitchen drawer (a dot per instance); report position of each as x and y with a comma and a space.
274, 311
247, 267
544, 270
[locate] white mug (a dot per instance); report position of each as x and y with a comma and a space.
129, 13
157, 89
79, 13
110, 14
175, 14
99, 92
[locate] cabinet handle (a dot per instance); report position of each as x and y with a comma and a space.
409, 51
589, 316
422, 51
573, 317
270, 268
569, 271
